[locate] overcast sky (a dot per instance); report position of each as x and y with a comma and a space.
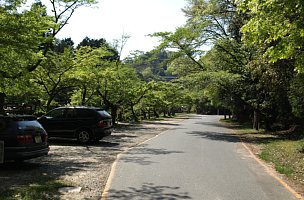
137, 18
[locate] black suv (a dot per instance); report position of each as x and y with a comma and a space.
21, 138
84, 123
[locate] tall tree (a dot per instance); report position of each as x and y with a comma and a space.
52, 76
28, 34
276, 28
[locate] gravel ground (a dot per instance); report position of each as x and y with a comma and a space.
85, 166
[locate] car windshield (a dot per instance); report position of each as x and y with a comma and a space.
58, 113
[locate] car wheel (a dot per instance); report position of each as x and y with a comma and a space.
84, 136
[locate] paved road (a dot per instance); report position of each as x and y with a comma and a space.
198, 160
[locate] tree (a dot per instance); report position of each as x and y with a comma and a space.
116, 87
61, 45
52, 77
28, 34
276, 28
90, 67
149, 65
22, 34
96, 43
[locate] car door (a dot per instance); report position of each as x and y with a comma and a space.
54, 122
71, 122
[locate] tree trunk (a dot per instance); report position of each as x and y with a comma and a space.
134, 114
155, 113
149, 113
114, 114
84, 94
144, 113
164, 113
256, 119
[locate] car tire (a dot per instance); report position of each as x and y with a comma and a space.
84, 136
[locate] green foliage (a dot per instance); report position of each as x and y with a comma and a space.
52, 76
276, 27
150, 65
184, 42
97, 43
23, 33
296, 94
61, 45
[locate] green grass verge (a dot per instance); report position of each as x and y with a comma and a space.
287, 155
43, 190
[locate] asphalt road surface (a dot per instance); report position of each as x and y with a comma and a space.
199, 159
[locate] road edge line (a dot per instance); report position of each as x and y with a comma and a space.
281, 181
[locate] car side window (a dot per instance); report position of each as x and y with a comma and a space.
70, 113
57, 114
84, 113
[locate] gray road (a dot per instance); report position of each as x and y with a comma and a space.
198, 159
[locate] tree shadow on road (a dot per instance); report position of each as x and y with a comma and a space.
149, 191
213, 124
143, 155
234, 137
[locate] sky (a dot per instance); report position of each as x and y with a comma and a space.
136, 18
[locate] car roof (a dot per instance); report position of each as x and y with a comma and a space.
84, 107
18, 117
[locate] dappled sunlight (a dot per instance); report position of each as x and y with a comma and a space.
143, 156
150, 191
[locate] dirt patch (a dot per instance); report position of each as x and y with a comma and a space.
85, 166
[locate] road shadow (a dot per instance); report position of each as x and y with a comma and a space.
218, 136
74, 142
161, 123
149, 191
233, 137
143, 125
214, 124
110, 141
142, 155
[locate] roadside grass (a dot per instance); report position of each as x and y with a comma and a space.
287, 157
43, 190
284, 151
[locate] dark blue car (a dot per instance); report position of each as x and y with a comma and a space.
86, 124
21, 138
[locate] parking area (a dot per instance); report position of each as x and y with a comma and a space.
86, 166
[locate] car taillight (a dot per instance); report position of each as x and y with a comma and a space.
24, 139
102, 124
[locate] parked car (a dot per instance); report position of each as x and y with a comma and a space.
22, 137
86, 124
